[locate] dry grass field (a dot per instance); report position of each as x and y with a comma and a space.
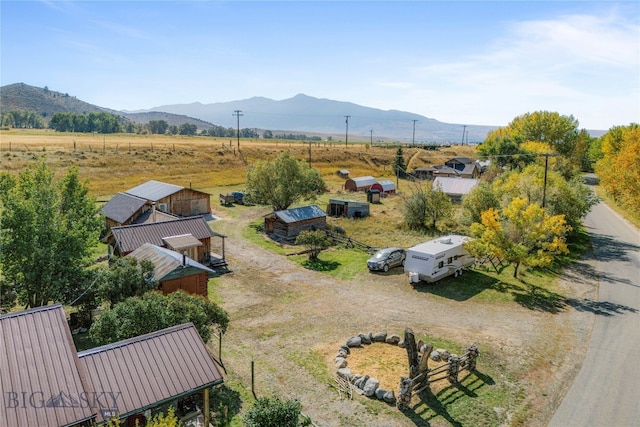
289, 320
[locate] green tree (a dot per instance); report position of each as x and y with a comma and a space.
478, 200
314, 240
154, 311
283, 182
523, 235
126, 277
159, 127
48, 230
399, 166
274, 412
267, 134
425, 207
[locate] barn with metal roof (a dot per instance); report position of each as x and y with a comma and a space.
362, 183
384, 187
287, 224
172, 198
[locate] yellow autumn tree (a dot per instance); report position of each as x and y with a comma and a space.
524, 234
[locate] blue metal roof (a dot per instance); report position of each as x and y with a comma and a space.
300, 214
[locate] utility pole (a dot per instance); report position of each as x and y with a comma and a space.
238, 113
309, 153
544, 185
371, 131
346, 135
413, 137
464, 130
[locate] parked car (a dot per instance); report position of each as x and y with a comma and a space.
385, 259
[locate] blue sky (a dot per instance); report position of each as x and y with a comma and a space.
474, 62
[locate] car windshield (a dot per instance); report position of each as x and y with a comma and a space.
381, 254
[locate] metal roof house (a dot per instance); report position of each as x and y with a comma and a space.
348, 208
362, 183
288, 223
45, 382
455, 188
174, 271
384, 187
41, 379
151, 371
192, 235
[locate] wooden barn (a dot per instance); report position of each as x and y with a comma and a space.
287, 224
175, 271
384, 187
125, 209
348, 208
191, 235
362, 183
173, 199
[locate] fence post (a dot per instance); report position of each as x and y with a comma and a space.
473, 353
253, 391
454, 364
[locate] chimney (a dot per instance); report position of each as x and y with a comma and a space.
153, 211
184, 259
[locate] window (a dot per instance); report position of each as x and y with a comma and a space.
441, 264
449, 260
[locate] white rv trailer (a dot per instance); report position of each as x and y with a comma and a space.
438, 258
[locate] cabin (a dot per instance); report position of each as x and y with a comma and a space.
175, 271
362, 183
458, 163
426, 172
455, 188
89, 388
125, 209
132, 367
348, 208
191, 235
287, 224
173, 199
384, 187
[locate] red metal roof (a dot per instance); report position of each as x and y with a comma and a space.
151, 369
41, 379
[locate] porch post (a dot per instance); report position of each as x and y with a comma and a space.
205, 397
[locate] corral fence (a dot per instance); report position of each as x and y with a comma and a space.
348, 241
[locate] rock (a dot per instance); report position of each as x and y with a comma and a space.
402, 344
379, 337
444, 355
365, 338
355, 378
345, 348
380, 392
393, 339
435, 355
389, 397
340, 362
354, 342
370, 387
361, 382
345, 373
342, 353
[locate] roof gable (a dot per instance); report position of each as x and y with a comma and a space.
122, 206
300, 214
152, 368
131, 237
38, 361
154, 190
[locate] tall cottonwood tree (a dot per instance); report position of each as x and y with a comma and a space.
47, 231
283, 181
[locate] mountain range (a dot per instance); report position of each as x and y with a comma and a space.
299, 114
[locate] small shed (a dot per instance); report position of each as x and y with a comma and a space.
348, 208
174, 270
362, 183
384, 187
455, 188
373, 196
343, 173
287, 224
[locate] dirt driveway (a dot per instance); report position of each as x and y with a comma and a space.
282, 314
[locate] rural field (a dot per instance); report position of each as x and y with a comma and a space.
289, 317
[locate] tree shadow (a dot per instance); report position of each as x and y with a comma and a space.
440, 402
536, 298
460, 288
225, 404
320, 265
607, 248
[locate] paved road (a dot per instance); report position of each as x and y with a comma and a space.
606, 391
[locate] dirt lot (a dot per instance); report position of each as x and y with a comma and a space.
290, 322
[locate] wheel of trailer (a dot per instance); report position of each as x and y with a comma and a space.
385, 268
456, 273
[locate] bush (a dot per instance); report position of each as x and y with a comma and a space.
273, 412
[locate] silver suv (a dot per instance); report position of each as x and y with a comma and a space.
385, 259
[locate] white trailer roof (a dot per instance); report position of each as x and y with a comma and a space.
441, 244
